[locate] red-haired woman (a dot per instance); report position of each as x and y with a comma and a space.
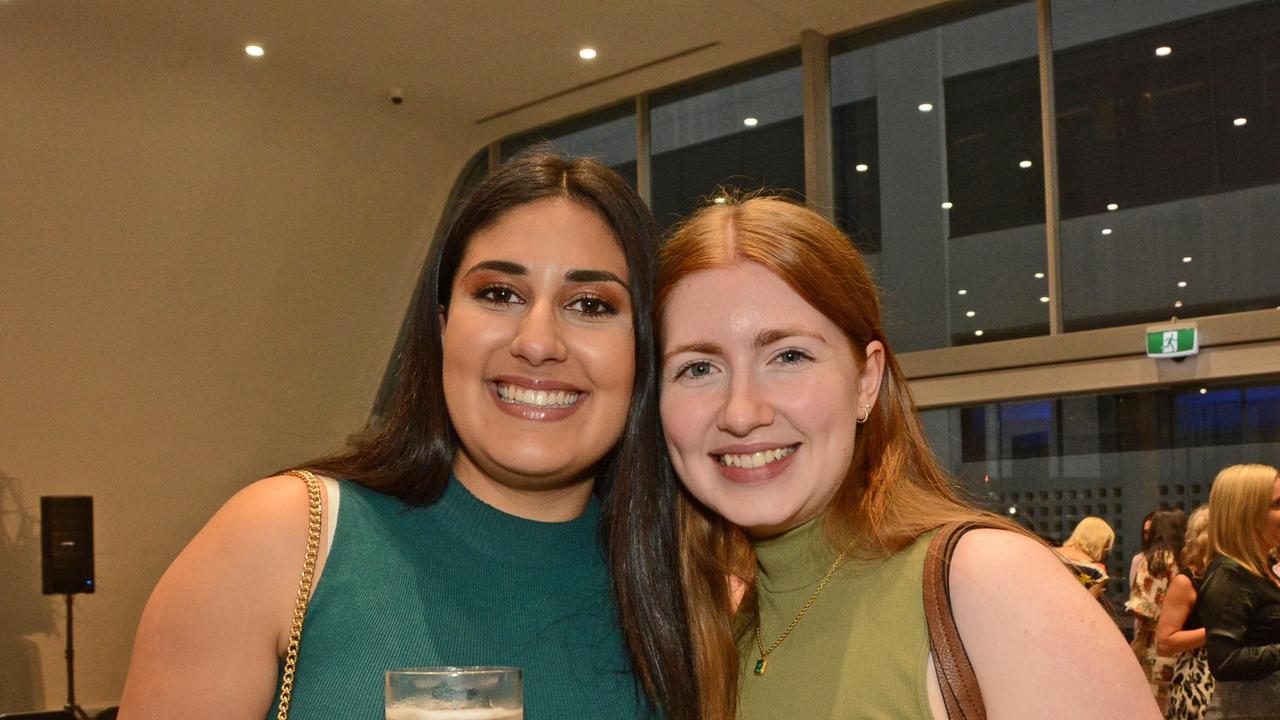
808, 482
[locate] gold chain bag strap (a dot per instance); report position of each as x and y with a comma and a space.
304, 589
959, 685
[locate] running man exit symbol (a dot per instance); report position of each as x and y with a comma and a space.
1172, 341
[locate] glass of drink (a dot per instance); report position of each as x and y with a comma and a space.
455, 693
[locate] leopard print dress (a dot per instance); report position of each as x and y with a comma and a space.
1191, 687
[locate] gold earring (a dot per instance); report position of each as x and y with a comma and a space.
866, 414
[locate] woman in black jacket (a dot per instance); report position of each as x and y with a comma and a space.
1240, 598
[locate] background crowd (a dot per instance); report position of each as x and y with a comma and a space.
1204, 597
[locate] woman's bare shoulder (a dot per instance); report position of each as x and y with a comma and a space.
1026, 623
223, 607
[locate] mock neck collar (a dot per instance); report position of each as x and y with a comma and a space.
794, 560
514, 538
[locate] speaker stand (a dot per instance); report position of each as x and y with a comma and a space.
72, 707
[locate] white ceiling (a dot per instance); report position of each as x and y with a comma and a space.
458, 62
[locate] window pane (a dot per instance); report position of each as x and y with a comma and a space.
743, 129
608, 136
1168, 112
939, 177
1118, 457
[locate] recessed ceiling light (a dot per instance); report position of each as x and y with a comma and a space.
1044, 298
925, 107
947, 205
254, 50
1177, 303
978, 333
1106, 231
1182, 283
1204, 391
1113, 206
1163, 50
970, 314
587, 53
1239, 121
962, 292
750, 122
861, 167
1039, 276
1024, 164
1186, 259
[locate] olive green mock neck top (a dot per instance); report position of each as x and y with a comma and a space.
862, 649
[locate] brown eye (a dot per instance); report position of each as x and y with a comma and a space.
593, 307
499, 295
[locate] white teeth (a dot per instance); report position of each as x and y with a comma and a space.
756, 459
537, 398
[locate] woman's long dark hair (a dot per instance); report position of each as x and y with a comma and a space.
411, 455
1164, 549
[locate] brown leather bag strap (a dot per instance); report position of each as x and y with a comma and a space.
960, 691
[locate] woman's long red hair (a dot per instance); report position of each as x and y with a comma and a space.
895, 489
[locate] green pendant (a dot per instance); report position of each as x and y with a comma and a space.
760, 666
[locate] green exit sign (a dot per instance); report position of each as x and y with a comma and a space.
1172, 341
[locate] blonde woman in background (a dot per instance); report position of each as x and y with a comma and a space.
1180, 631
1087, 551
1240, 597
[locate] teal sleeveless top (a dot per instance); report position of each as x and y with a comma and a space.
462, 583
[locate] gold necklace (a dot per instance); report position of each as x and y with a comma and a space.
763, 662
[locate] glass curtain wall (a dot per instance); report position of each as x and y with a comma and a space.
740, 130
1169, 155
939, 178
1050, 463
608, 135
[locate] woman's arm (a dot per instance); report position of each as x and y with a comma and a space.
1178, 601
1226, 604
213, 632
1097, 589
1027, 625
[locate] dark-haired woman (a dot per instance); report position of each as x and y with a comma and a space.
1157, 568
467, 530
805, 481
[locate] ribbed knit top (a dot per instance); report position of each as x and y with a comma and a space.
862, 649
462, 583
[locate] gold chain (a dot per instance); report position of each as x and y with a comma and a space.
304, 590
763, 662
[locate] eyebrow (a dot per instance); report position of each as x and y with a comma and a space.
705, 348
769, 337
511, 268
764, 338
595, 276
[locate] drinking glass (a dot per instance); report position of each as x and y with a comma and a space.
455, 693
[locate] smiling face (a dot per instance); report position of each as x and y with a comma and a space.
760, 397
539, 357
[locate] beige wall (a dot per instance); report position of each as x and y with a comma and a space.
203, 269
204, 261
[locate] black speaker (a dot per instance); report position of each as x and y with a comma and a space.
66, 544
